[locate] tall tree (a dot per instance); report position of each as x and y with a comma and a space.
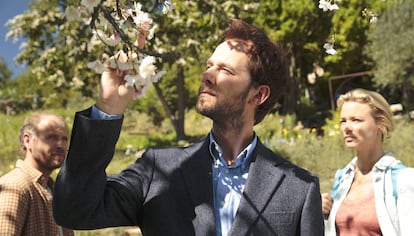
303, 28
392, 50
349, 35
55, 50
5, 72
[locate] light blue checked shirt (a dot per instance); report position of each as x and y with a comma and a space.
228, 184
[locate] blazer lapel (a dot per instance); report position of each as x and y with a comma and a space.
261, 185
196, 170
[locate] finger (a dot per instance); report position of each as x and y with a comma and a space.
326, 196
122, 57
142, 36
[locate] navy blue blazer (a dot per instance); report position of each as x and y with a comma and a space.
169, 191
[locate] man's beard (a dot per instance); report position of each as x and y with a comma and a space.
227, 110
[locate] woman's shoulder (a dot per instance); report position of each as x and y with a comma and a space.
406, 173
405, 178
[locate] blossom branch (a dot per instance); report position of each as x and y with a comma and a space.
126, 39
110, 22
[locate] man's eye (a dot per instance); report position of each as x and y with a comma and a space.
226, 71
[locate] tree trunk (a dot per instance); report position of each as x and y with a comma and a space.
179, 127
291, 96
176, 118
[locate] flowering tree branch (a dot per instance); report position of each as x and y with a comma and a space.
124, 30
330, 5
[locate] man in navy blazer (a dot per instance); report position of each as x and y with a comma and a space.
227, 184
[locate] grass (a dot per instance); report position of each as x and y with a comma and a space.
321, 155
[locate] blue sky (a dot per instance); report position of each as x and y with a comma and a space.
8, 50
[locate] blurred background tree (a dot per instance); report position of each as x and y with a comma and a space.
392, 51
5, 72
57, 52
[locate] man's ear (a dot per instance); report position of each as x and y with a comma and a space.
26, 137
262, 93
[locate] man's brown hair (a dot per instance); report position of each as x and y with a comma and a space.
268, 63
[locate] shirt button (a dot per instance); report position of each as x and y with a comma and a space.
226, 171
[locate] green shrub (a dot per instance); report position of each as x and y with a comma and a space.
319, 154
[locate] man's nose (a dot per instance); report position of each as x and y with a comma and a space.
62, 142
208, 76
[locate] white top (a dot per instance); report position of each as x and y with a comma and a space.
395, 215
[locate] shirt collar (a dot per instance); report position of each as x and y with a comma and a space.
35, 174
386, 161
383, 163
244, 156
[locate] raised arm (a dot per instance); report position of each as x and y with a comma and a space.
84, 196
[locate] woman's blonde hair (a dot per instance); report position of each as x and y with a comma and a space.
380, 109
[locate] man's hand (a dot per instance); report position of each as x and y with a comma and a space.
114, 95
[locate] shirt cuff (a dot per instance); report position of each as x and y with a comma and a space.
100, 115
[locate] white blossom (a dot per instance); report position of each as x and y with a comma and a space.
373, 20
118, 64
142, 19
318, 70
329, 48
251, 6
90, 4
72, 13
76, 82
111, 40
137, 7
311, 78
132, 80
151, 32
327, 5
114, 39
166, 6
104, 23
181, 61
147, 67
97, 66
139, 68
23, 45
158, 76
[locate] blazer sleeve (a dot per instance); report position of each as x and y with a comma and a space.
84, 196
312, 222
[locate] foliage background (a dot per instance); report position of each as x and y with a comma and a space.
57, 51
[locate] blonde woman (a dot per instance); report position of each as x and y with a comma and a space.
374, 193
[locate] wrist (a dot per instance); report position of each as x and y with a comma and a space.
110, 109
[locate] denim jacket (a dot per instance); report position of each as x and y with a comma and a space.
394, 204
